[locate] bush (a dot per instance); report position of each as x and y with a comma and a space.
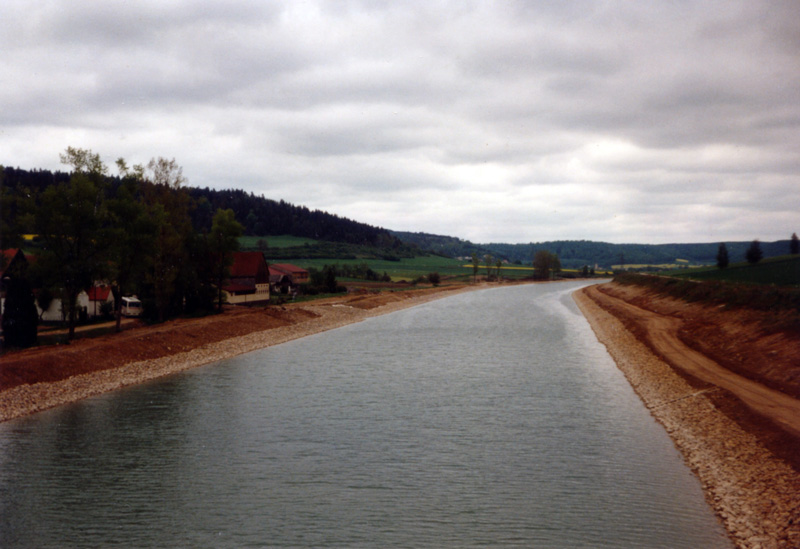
107, 309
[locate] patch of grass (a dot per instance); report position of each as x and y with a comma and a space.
781, 271
719, 292
407, 268
282, 241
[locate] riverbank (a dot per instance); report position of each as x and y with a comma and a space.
755, 493
37, 379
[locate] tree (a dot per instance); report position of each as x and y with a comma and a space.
168, 205
20, 317
545, 265
754, 253
722, 256
19, 313
489, 260
329, 278
69, 221
434, 278
475, 267
223, 242
130, 235
794, 245
165, 172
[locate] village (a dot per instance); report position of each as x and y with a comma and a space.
252, 282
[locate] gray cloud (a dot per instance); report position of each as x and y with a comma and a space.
505, 121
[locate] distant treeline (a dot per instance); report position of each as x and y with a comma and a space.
260, 216
577, 253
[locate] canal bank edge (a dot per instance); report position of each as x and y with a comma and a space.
318, 316
755, 494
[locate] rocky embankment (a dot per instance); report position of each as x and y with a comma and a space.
755, 493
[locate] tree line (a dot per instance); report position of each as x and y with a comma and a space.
754, 252
133, 231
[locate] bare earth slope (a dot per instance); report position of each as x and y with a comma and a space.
739, 436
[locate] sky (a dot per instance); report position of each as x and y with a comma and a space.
615, 121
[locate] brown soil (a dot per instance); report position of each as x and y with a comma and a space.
741, 340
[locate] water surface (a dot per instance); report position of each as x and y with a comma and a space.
486, 419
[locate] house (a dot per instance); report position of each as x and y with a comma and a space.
96, 296
279, 281
249, 280
298, 275
285, 277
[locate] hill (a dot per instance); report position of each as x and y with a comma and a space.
574, 254
259, 215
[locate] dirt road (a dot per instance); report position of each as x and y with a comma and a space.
662, 335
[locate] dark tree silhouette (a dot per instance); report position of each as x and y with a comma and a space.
794, 245
754, 253
722, 256
19, 313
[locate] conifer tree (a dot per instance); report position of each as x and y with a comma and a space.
722, 256
754, 253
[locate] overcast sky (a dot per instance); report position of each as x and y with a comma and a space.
497, 121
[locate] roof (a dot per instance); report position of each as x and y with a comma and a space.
246, 264
287, 268
98, 293
9, 254
10, 257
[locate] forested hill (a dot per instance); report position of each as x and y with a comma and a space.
263, 217
260, 216
577, 253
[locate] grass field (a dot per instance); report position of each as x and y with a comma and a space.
404, 269
284, 241
782, 271
411, 268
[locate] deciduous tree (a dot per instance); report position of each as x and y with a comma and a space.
70, 221
223, 242
545, 265
131, 236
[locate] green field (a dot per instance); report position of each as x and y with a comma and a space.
283, 241
411, 268
781, 271
404, 269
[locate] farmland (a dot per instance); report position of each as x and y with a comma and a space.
411, 268
781, 271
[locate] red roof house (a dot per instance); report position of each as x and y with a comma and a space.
249, 279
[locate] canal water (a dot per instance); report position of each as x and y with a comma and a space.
487, 419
